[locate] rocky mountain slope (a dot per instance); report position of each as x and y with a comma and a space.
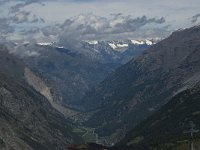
38, 83
27, 120
143, 85
68, 73
170, 127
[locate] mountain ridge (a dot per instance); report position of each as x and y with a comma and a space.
144, 84
27, 119
166, 128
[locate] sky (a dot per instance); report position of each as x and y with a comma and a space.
69, 21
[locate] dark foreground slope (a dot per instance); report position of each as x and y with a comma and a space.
27, 121
142, 86
166, 129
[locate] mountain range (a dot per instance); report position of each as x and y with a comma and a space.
71, 73
140, 87
96, 93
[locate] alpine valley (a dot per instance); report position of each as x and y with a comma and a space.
141, 94
71, 73
142, 86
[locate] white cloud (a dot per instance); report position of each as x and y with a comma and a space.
89, 26
170, 9
28, 14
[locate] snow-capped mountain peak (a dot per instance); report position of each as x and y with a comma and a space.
118, 46
136, 42
112, 45
51, 44
92, 42
124, 45
142, 42
148, 42
45, 44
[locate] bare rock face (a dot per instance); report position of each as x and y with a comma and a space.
39, 85
27, 119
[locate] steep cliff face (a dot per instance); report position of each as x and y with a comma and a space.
39, 85
27, 119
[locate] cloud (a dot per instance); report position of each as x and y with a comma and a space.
20, 17
195, 18
5, 26
22, 50
81, 27
129, 24
13, 17
17, 7
2, 2
89, 26
25, 17
17, 14
22, 20
36, 19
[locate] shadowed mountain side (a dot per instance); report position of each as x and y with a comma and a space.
27, 120
167, 128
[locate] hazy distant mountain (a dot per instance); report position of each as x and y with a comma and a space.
116, 51
120, 51
143, 85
